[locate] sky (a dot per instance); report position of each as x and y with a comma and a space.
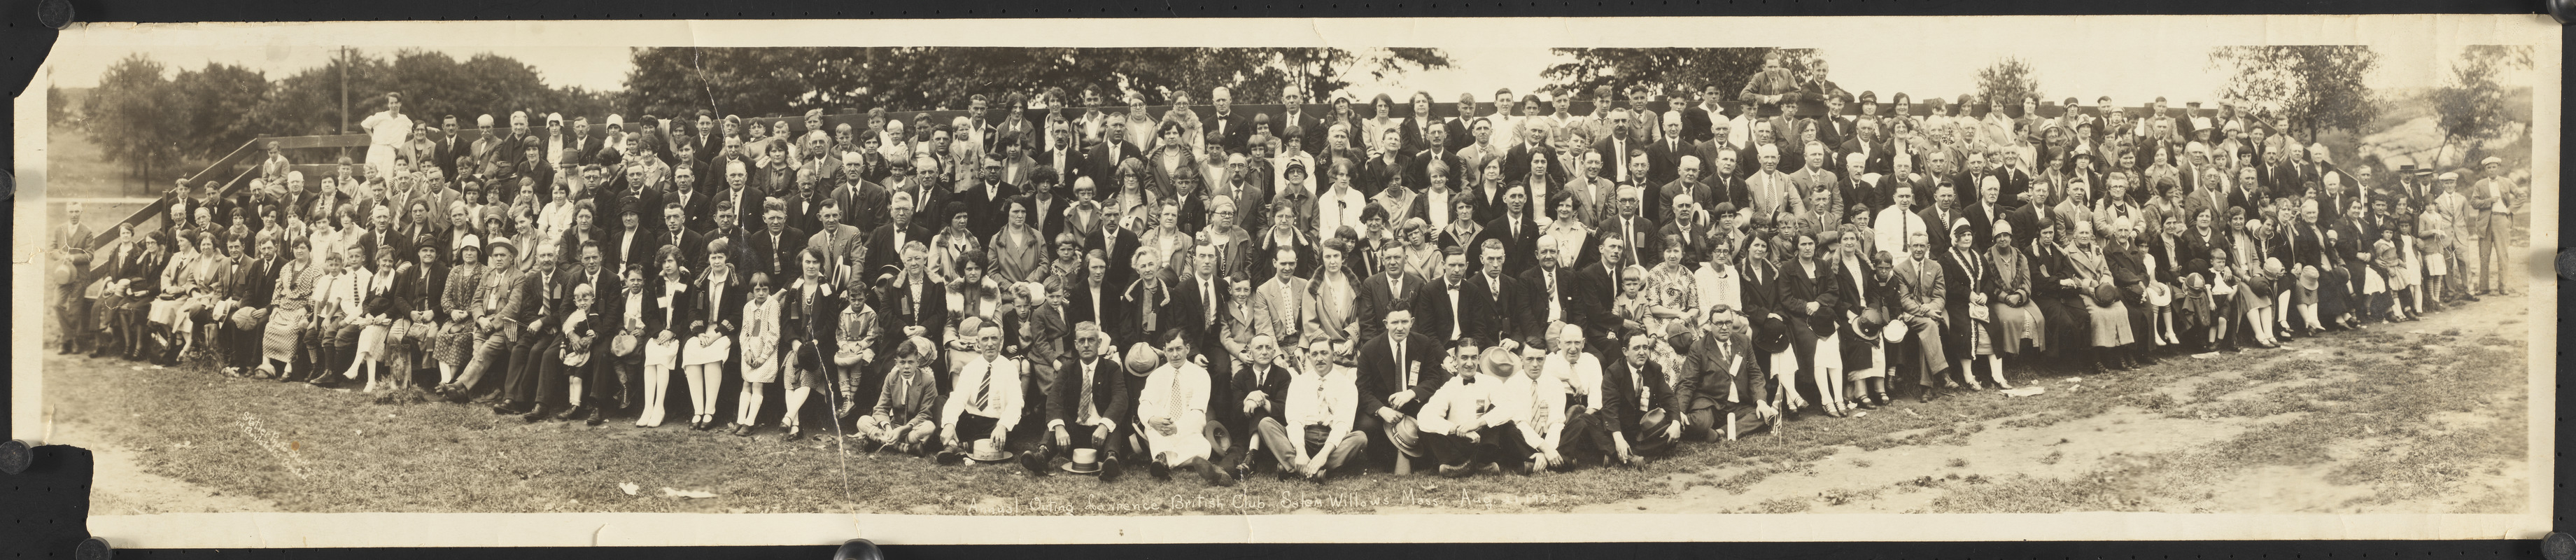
1945, 68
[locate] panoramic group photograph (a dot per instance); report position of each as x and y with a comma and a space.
1073, 281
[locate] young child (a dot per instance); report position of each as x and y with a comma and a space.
2384, 260
2438, 251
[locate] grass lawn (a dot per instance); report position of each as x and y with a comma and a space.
2400, 421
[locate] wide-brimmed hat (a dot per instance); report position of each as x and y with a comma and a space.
576, 358
1894, 332
989, 451
2158, 295
624, 345
2308, 278
1085, 461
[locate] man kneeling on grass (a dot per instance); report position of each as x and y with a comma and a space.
1316, 436
902, 419
1476, 422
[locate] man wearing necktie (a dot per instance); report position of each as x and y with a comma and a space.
1551, 294
985, 403
1398, 372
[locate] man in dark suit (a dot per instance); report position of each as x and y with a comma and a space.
1398, 372
1629, 223
1105, 157
254, 286
1459, 134
692, 245
1120, 245
1257, 389
1511, 226
1067, 159
1982, 215
1293, 116
1391, 289
1554, 294
1600, 326
1417, 170
1227, 127
984, 203
1083, 408
886, 242
1614, 149
914, 306
1633, 389
1664, 155
1724, 393
1094, 299
446, 147
774, 248
1488, 307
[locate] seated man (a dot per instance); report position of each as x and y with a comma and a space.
1081, 411
1314, 435
1638, 401
986, 401
1725, 387
1264, 387
1473, 423
902, 419
1586, 433
1172, 410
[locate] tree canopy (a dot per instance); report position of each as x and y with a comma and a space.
151, 122
758, 81
2472, 106
1663, 69
2311, 87
2008, 82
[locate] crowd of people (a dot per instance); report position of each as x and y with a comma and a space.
1081, 287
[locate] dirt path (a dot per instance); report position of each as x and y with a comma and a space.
125, 487
1909, 478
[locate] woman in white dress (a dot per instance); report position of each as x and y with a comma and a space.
760, 356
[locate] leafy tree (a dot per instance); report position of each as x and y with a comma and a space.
2472, 107
210, 105
131, 115
1664, 69
2007, 82
785, 80
57, 107
2312, 87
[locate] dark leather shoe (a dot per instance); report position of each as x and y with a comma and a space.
1035, 462
597, 417
1111, 469
536, 414
1158, 470
577, 413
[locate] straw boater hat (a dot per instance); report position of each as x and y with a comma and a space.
1085, 461
989, 451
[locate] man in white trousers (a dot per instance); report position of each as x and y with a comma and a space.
386, 130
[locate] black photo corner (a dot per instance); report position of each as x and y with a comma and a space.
43, 490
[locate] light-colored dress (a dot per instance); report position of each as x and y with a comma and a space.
288, 310
760, 337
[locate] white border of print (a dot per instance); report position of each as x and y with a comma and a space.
2395, 34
